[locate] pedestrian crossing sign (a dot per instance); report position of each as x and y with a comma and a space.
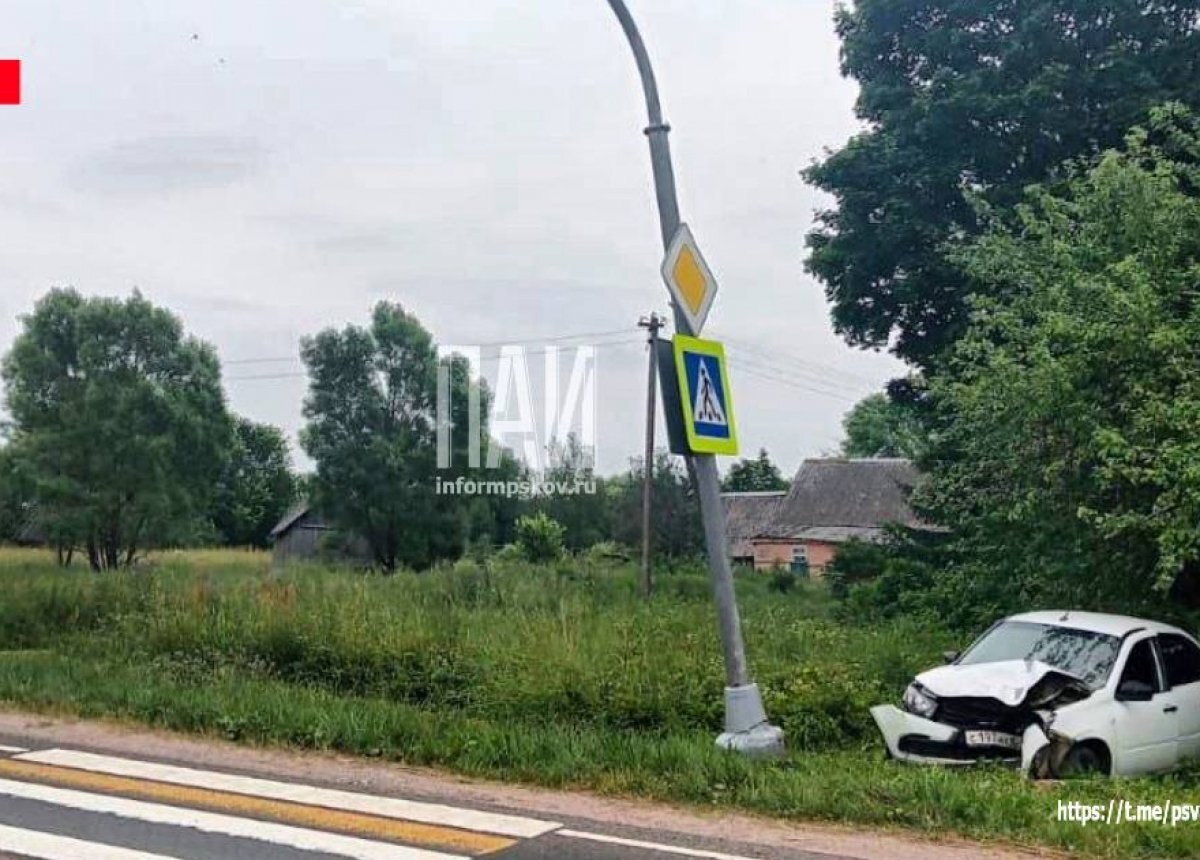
704, 395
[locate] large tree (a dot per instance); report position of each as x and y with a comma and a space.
757, 475
965, 99
878, 426
372, 431
1068, 431
120, 421
676, 527
256, 486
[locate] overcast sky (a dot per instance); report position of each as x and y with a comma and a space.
266, 169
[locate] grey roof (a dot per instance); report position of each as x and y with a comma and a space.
748, 514
294, 513
842, 498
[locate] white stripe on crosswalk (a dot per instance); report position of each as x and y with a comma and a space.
388, 807
6, 750
48, 846
650, 846
226, 825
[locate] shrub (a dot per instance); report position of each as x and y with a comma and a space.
540, 538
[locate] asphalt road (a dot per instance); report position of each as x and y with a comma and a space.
69, 802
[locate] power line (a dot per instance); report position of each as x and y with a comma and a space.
512, 341
756, 372
628, 341
821, 370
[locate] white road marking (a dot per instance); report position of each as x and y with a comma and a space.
388, 807
47, 846
226, 825
6, 750
651, 846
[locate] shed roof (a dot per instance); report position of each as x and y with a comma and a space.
749, 514
289, 519
847, 494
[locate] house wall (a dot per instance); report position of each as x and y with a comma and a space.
769, 555
772, 554
820, 554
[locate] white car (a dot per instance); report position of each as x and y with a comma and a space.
1059, 692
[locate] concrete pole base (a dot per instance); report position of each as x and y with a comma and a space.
746, 728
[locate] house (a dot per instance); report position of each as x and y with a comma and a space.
830, 502
747, 515
302, 535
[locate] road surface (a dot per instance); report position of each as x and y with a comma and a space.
67, 793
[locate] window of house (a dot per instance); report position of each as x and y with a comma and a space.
800, 554
1181, 658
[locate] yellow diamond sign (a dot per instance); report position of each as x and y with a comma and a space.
689, 279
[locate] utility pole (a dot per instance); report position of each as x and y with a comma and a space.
746, 727
652, 324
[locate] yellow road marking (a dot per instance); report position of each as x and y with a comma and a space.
315, 817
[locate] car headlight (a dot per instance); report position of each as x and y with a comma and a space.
918, 701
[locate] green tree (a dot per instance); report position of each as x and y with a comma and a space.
16, 495
371, 411
877, 426
540, 538
578, 502
120, 420
676, 528
1068, 417
757, 475
256, 487
965, 99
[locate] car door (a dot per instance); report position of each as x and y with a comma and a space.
1181, 665
1146, 732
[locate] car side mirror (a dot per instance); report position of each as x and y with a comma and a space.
1134, 691
950, 656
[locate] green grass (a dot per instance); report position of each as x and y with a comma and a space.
557, 676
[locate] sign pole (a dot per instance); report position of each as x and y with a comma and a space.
746, 727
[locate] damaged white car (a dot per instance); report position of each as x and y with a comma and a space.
1060, 693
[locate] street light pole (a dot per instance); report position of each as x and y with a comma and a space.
746, 727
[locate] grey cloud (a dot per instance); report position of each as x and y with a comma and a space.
156, 165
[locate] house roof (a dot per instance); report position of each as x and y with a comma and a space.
748, 514
294, 513
835, 499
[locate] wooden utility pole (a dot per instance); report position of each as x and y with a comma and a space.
652, 324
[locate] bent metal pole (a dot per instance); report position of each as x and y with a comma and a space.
746, 727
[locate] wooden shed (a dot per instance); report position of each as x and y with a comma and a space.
302, 535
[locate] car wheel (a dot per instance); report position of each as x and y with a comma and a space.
1085, 760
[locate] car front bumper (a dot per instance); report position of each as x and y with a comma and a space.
915, 739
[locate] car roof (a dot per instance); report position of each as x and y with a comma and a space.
1097, 622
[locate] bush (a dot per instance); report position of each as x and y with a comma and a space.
540, 538
856, 562
782, 581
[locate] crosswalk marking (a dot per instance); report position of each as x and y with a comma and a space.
281, 834
650, 846
8, 750
47, 846
283, 812
388, 807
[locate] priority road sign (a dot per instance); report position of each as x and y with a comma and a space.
689, 279
704, 391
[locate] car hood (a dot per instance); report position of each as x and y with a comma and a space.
1012, 682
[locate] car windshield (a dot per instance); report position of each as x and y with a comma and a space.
1083, 653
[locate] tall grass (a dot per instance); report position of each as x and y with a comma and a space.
559, 675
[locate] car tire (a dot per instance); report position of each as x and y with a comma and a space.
1085, 760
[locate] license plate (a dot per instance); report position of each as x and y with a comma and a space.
994, 739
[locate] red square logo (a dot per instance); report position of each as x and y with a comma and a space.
10, 82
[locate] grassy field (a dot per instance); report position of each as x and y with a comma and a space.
556, 675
